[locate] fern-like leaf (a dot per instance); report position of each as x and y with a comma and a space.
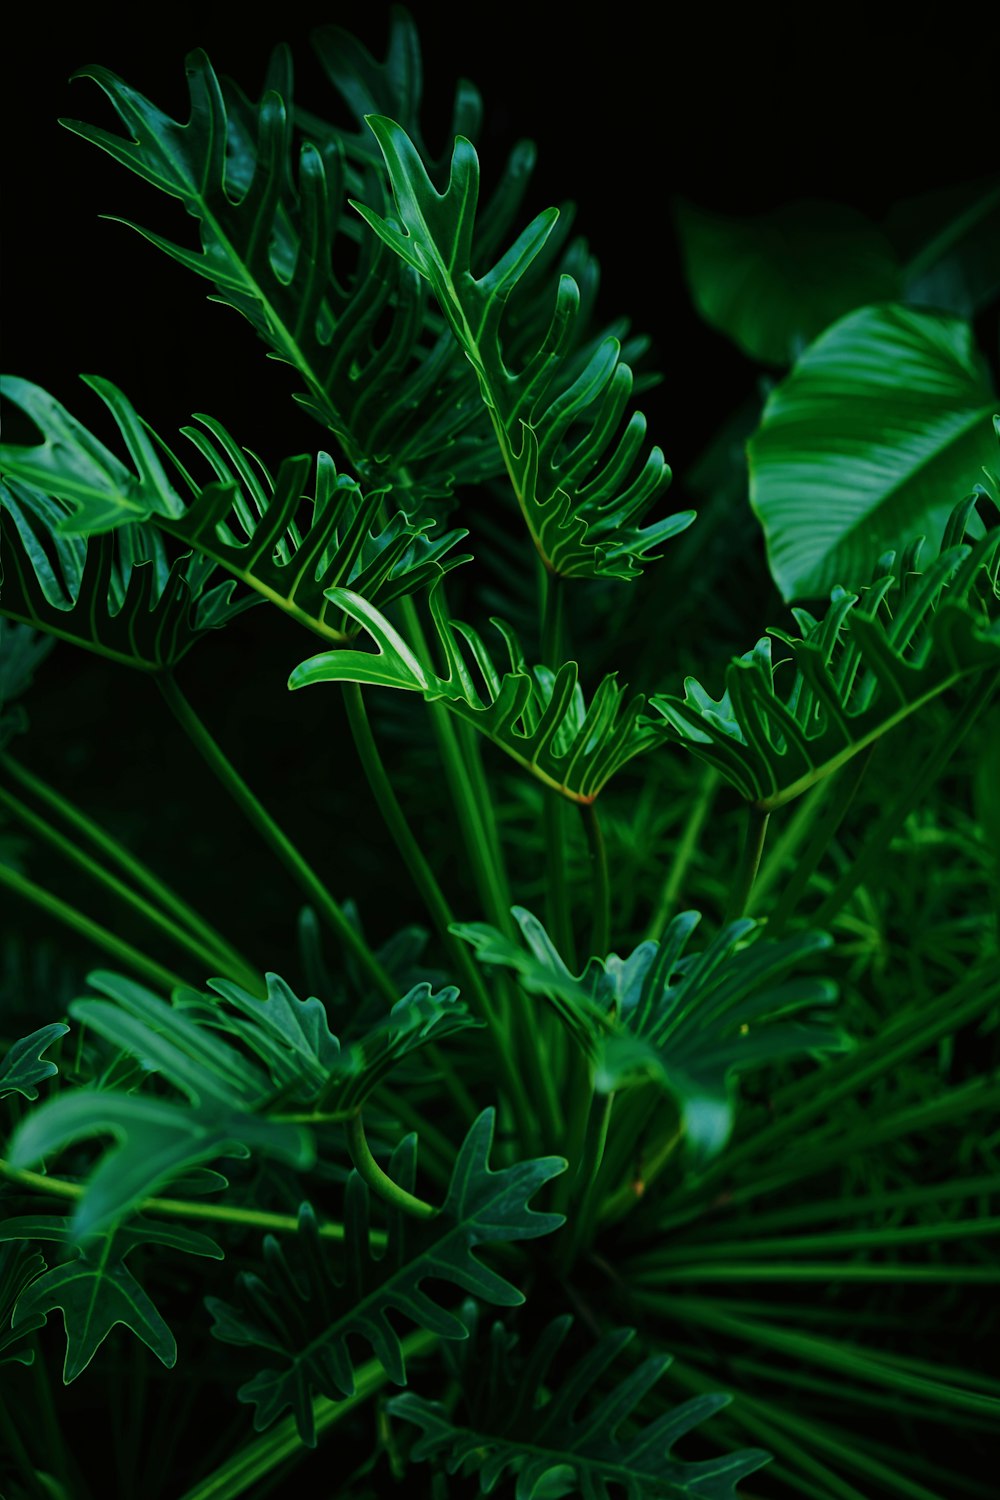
19, 1267
24, 1066
270, 219
865, 667
581, 484
691, 1023
267, 533
94, 1289
305, 1061
518, 1422
539, 718
115, 594
302, 1312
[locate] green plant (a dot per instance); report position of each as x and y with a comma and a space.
580, 1180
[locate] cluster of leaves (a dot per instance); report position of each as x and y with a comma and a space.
505, 1126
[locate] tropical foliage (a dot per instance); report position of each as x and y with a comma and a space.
551, 1087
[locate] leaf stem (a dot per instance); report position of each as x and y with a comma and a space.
560, 917
209, 958
255, 1460
138, 873
928, 768
686, 846
380, 1182
474, 810
258, 816
601, 938
178, 1208
93, 931
834, 810
424, 879
746, 873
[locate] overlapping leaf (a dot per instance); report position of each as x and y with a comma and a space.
868, 664
204, 1049
19, 1267
22, 650
302, 1312
156, 1142
376, 372
93, 1287
691, 1023
24, 1066
538, 717
267, 533
580, 480
306, 1062
115, 594
156, 1139
520, 1422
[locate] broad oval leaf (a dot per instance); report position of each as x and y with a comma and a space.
774, 282
882, 421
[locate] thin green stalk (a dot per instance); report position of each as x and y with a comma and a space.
825, 1271
843, 1391
213, 962
585, 1183
178, 1208
275, 837
473, 808
627, 1197
424, 879
258, 1458
436, 1151
793, 830
905, 1036
925, 773
559, 913
747, 1415
477, 827
20, 1455
746, 873
862, 1207
809, 1244
380, 1182
138, 873
863, 1364
52, 1443
623, 1164
835, 808
92, 931
686, 845
601, 938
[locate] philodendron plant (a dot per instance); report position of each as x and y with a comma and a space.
664, 1160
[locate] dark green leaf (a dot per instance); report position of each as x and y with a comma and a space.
520, 1422
774, 282
267, 533
24, 1065
95, 1290
303, 1311
19, 1267
691, 1023
868, 664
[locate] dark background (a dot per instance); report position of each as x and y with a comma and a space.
739, 110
